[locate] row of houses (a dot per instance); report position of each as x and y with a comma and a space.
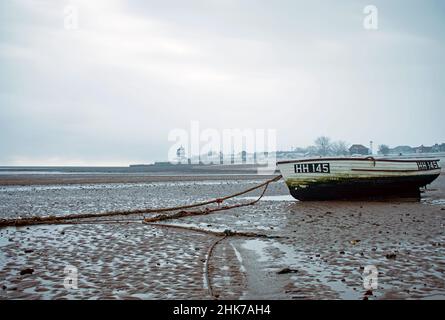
420, 149
214, 157
243, 157
399, 150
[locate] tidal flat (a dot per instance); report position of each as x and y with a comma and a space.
317, 250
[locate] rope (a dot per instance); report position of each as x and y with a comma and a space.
71, 219
226, 232
207, 266
206, 211
36, 220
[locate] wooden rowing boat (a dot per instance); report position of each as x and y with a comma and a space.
347, 178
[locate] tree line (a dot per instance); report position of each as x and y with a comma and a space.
324, 146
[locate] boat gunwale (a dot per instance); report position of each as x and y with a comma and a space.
357, 159
389, 170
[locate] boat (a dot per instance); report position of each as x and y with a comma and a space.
357, 177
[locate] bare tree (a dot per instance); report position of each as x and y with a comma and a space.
383, 149
323, 145
311, 151
340, 148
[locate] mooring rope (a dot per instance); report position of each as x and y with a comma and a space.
207, 266
91, 218
207, 211
36, 220
227, 232
223, 235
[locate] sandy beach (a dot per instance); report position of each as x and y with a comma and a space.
324, 245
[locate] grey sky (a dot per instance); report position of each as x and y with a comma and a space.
110, 91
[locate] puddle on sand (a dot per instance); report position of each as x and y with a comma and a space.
239, 257
258, 246
436, 202
294, 258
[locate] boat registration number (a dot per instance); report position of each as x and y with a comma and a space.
312, 168
427, 165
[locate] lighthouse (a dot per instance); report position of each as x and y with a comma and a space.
180, 154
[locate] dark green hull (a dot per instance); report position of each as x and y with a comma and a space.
362, 188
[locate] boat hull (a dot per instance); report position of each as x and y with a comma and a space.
362, 178
364, 188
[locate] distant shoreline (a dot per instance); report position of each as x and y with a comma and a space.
58, 179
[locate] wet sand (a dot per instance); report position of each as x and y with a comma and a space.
106, 178
327, 244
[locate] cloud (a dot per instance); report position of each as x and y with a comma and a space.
113, 88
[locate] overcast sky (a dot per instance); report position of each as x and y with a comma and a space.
110, 91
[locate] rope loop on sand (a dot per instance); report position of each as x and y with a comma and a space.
74, 219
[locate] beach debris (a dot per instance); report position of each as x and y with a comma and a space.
354, 242
29, 250
27, 271
391, 255
4, 287
287, 270
342, 252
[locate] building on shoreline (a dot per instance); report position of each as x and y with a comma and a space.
358, 149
